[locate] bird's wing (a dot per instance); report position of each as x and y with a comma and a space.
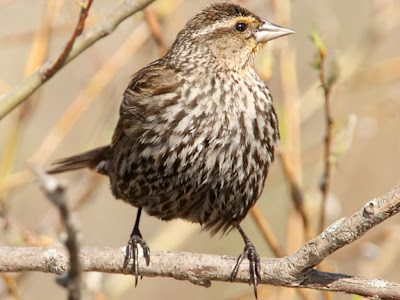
148, 95
141, 135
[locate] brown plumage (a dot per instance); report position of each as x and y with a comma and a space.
197, 130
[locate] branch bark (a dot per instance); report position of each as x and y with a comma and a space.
294, 270
197, 268
106, 26
78, 30
55, 192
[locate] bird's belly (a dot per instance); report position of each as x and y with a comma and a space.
210, 184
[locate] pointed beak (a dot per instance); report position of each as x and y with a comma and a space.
269, 31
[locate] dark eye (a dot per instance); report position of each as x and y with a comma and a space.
240, 26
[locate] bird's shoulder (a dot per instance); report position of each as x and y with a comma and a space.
153, 80
149, 92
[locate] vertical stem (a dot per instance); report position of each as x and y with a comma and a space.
328, 142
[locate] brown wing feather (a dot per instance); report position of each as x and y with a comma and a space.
142, 100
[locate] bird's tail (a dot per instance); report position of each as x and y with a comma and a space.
97, 159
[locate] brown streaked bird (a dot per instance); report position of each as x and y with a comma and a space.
196, 132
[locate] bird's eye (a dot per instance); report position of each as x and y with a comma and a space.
240, 26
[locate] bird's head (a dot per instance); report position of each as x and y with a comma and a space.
223, 35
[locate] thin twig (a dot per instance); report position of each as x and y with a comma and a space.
267, 232
272, 240
327, 87
328, 143
22, 37
296, 192
36, 57
106, 26
82, 194
56, 194
154, 24
13, 226
93, 89
78, 30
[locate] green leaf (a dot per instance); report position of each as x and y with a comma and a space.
318, 42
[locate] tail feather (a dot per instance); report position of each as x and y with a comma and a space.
93, 159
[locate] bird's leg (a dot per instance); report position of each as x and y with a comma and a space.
253, 257
132, 250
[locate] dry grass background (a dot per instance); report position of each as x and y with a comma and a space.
78, 108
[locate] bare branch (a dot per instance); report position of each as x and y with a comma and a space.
294, 270
155, 27
197, 268
78, 30
107, 25
327, 84
267, 231
272, 240
56, 194
296, 192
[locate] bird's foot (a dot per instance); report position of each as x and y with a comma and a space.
254, 265
132, 251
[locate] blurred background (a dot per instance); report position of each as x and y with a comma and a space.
78, 109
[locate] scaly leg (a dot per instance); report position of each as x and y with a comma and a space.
132, 250
253, 257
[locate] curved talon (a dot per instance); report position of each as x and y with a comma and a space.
254, 265
236, 268
132, 251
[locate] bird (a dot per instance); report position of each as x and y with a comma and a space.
196, 131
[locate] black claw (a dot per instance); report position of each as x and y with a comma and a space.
254, 265
132, 251
236, 268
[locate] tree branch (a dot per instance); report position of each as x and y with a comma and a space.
197, 268
106, 26
55, 192
327, 84
294, 270
78, 31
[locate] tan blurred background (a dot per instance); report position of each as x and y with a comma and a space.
362, 36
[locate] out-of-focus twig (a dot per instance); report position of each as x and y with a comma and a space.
12, 286
272, 241
327, 84
296, 191
289, 120
96, 84
36, 57
38, 51
13, 226
56, 194
107, 25
4, 3
86, 98
267, 232
154, 24
290, 117
78, 30
85, 189
61, 28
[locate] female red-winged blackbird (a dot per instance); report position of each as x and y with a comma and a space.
196, 132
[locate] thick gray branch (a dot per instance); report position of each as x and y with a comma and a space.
295, 270
197, 268
107, 25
